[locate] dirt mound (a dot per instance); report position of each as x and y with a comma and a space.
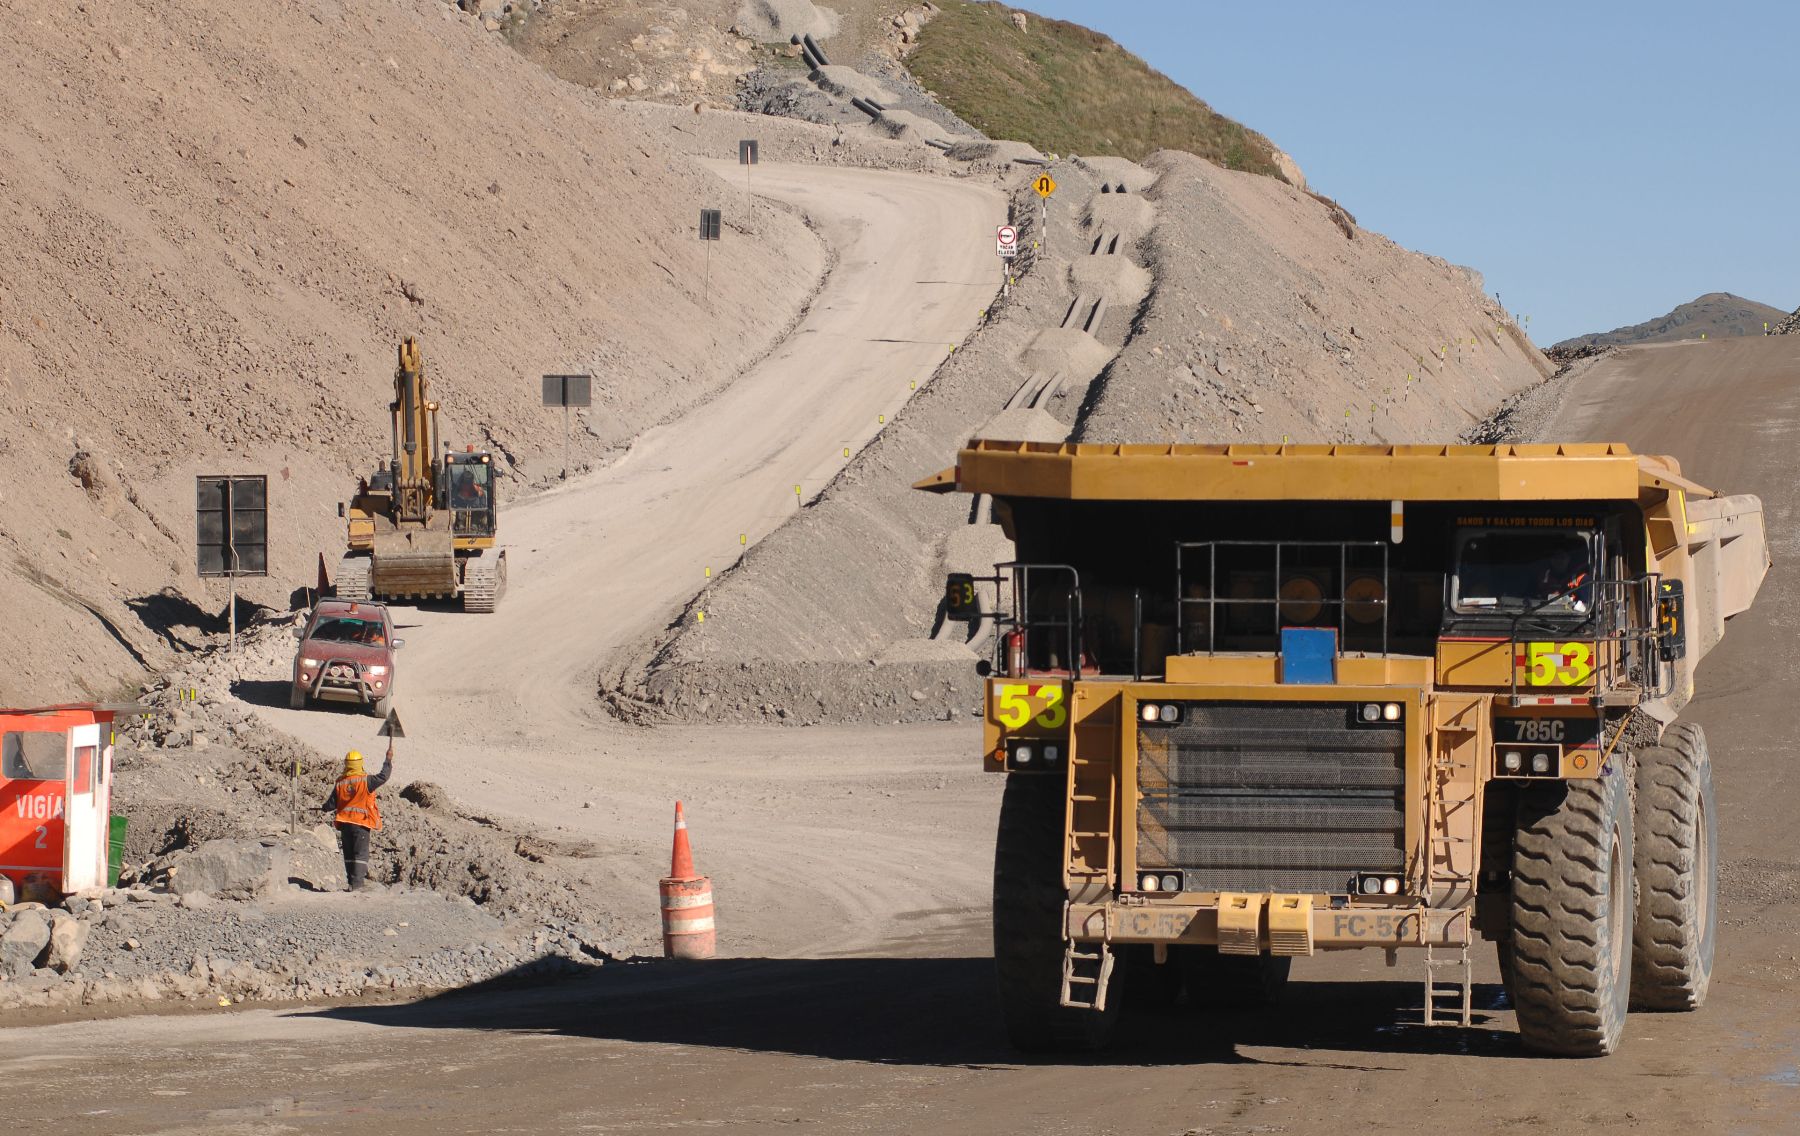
1268, 323
776, 21
239, 212
1716, 315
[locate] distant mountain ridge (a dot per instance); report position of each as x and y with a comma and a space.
1717, 315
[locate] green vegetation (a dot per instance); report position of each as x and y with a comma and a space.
1068, 90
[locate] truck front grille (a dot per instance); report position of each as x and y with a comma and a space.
1271, 796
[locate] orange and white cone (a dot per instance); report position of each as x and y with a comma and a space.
687, 905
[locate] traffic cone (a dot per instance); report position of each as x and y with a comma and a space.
687, 905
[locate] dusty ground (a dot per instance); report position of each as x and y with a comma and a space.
865, 1003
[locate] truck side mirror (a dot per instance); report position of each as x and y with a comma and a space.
1671, 621
340, 510
984, 667
961, 605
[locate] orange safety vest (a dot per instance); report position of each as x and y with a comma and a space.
356, 803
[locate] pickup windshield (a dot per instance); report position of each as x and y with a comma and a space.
1511, 572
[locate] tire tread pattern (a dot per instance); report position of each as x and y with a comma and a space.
1567, 996
1672, 958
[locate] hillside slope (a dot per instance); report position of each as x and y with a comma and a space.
1716, 315
1172, 301
1070, 90
221, 219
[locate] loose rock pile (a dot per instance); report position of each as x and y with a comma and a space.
223, 896
1788, 326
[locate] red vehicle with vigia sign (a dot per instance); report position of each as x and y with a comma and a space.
346, 655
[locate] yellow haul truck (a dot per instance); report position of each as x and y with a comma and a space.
1257, 702
424, 526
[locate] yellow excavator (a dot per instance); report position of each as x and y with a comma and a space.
423, 527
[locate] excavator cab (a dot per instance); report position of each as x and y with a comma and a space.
466, 488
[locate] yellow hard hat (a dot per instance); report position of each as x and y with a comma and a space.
353, 763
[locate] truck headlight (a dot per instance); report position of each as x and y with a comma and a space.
1169, 712
1171, 883
1371, 712
1390, 712
1051, 753
1149, 882
1390, 886
1540, 763
1022, 754
1512, 761
1149, 711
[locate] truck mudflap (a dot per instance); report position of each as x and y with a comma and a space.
1293, 925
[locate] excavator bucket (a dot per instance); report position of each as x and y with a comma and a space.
415, 562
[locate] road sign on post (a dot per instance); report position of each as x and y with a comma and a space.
747, 152
1045, 185
231, 532
1006, 242
568, 391
710, 227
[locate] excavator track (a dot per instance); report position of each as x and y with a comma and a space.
353, 578
484, 581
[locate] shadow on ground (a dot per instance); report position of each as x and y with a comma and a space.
928, 1012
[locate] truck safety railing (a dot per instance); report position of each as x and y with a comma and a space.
1187, 552
1625, 628
1025, 619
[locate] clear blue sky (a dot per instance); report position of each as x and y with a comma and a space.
1598, 163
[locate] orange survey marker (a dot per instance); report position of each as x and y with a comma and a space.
687, 905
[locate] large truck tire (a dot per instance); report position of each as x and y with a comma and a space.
1573, 908
1028, 913
1233, 982
1677, 873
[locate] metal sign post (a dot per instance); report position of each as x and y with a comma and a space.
747, 157
231, 533
568, 391
710, 227
1045, 185
1006, 244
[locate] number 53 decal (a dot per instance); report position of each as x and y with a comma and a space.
1016, 704
1566, 664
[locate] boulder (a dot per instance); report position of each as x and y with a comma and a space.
68, 935
230, 869
23, 943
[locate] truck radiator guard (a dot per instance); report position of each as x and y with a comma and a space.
1271, 796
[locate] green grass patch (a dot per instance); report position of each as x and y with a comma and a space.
1069, 90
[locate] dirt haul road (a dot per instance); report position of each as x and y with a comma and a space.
905, 1039
502, 709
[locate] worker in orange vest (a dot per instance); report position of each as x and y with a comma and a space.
356, 814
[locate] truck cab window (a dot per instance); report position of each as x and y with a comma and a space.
1511, 572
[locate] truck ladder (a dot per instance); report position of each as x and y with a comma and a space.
1451, 859
1092, 848
1457, 989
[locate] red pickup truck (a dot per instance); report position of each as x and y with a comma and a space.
346, 655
